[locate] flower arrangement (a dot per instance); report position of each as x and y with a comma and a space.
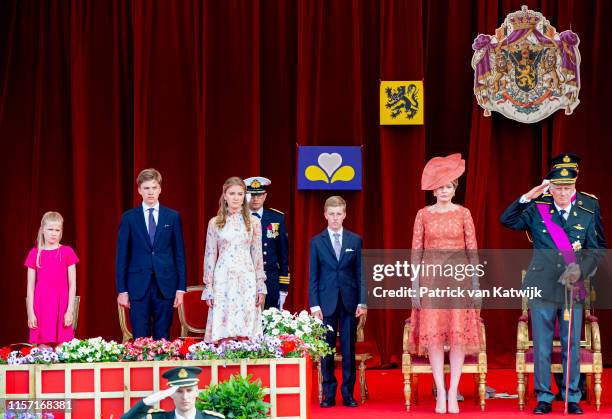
90, 350
148, 349
28, 415
259, 347
32, 355
4, 354
309, 329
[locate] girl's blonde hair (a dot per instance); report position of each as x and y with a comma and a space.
48, 217
222, 213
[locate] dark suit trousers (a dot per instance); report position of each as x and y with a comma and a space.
273, 295
345, 321
152, 314
543, 325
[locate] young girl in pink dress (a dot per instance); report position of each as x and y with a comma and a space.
51, 284
444, 233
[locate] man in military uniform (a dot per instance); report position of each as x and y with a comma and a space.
274, 240
590, 202
183, 382
564, 236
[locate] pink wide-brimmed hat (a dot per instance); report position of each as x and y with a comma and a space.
441, 171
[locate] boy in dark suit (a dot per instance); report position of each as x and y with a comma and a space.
150, 261
337, 295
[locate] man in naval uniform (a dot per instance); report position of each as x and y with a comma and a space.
274, 241
183, 382
566, 247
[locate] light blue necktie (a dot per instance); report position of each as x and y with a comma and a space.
337, 245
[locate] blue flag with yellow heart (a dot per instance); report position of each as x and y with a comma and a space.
329, 168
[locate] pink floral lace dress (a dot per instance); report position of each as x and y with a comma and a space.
437, 239
233, 276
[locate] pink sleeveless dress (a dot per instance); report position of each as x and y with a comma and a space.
51, 294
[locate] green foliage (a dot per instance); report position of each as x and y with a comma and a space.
237, 398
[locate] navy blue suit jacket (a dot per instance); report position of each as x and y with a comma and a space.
330, 277
138, 259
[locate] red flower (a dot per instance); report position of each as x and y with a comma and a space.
5, 352
288, 346
25, 351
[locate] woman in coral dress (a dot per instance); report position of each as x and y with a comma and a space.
234, 279
444, 235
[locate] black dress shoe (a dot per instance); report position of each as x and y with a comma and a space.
328, 403
542, 408
573, 408
350, 402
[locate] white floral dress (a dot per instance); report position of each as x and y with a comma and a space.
233, 276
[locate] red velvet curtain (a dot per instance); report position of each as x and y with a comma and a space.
92, 92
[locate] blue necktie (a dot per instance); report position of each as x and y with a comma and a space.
562, 215
152, 225
256, 214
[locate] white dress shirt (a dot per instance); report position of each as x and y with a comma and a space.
189, 415
566, 209
258, 212
145, 209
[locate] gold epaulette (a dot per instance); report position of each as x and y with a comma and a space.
275, 210
543, 202
587, 210
588, 194
211, 413
546, 194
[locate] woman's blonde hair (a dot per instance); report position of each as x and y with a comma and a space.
222, 213
48, 217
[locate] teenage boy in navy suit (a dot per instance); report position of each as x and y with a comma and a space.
337, 295
150, 261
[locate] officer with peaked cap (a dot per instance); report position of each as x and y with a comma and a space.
565, 247
183, 388
275, 242
591, 203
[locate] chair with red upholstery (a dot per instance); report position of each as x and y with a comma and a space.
590, 353
412, 365
194, 312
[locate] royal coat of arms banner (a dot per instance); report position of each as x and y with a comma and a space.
527, 71
401, 102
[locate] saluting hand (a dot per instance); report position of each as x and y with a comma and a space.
538, 190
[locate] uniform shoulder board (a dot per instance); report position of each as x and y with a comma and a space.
588, 194
275, 210
586, 209
543, 202
546, 195
216, 414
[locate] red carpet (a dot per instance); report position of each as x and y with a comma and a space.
387, 399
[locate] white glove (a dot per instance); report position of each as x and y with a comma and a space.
282, 298
160, 395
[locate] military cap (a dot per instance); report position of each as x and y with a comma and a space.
183, 376
257, 185
565, 160
562, 176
